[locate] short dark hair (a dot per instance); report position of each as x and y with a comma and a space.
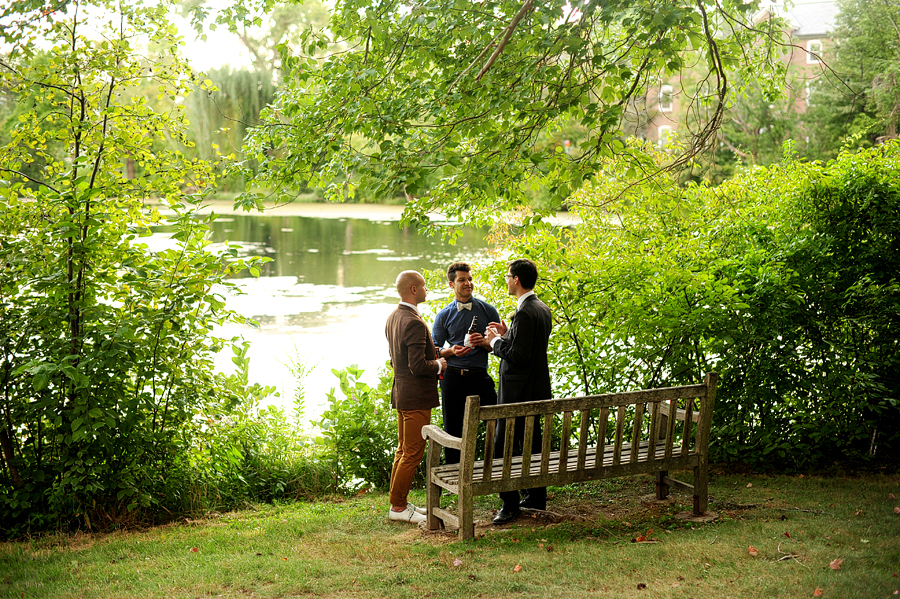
451, 270
526, 270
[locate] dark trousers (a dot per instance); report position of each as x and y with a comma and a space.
455, 387
536, 497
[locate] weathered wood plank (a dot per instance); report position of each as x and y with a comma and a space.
583, 431
447, 517
601, 429
564, 441
620, 428
490, 429
572, 404
546, 438
670, 428
636, 432
510, 429
526, 444
444, 438
688, 419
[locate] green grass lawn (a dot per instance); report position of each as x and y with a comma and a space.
798, 526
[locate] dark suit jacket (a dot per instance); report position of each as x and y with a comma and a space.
413, 360
524, 372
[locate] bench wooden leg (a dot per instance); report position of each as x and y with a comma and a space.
662, 489
466, 515
432, 501
701, 475
432, 491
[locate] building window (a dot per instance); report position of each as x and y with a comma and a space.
813, 51
664, 135
666, 98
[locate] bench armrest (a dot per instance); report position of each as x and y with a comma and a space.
441, 437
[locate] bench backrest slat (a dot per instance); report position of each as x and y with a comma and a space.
583, 433
545, 443
526, 444
636, 433
620, 428
601, 436
670, 427
489, 432
508, 447
688, 420
654, 427
564, 442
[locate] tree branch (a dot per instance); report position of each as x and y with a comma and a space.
509, 31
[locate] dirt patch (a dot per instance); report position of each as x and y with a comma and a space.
619, 506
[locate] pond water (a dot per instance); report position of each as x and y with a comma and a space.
324, 298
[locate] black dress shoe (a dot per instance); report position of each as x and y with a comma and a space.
506, 515
529, 505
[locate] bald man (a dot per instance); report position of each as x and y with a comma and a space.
414, 394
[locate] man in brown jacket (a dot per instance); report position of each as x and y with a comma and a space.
416, 370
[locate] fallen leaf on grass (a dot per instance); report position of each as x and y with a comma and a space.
518, 568
897, 510
753, 551
195, 549
642, 586
891, 496
817, 593
749, 485
836, 564
787, 534
457, 562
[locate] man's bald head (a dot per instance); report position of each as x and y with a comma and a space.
411, 287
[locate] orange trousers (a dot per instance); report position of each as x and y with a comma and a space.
410, 450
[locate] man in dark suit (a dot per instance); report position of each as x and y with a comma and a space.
524, 373
414, 394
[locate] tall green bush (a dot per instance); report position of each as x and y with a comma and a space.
106, 350
784, 280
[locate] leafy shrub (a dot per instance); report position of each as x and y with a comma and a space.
786, 280
243, 453
359, 430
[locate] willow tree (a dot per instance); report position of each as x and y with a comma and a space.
446, 101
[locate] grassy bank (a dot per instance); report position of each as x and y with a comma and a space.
798, 527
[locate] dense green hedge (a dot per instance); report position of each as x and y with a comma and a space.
786, 280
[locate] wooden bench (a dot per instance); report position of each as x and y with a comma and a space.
632, 432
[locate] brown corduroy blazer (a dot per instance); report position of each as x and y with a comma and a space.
413, 359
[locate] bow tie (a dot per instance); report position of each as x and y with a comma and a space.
461, 306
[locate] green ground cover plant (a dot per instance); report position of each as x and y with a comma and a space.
776, 536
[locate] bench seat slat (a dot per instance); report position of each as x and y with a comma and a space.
449, 474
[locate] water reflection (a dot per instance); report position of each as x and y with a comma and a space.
327, 292
345, 252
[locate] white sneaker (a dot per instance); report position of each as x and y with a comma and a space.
408, 515
420, 510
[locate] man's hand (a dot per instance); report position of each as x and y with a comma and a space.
500, 327
459, 350
443, 363
489, 334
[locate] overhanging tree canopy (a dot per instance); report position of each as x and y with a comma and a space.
452, 101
